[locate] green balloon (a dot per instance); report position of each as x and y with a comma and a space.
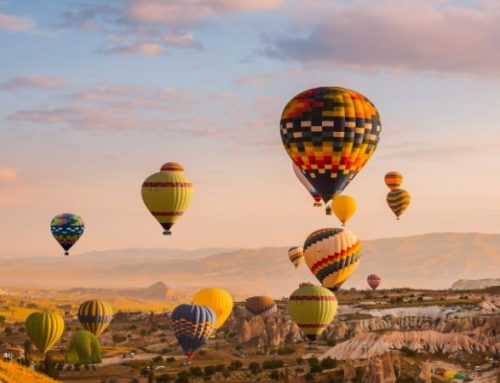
84, 348
44, 328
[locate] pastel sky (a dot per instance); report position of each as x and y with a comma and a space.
96, 95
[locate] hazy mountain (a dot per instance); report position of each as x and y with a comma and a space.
472, 284
426, 261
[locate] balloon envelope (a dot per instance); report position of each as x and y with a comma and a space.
67, 228
344, 207
167, 194
373, 281
219, 300
193, 325
332, 254
398, 200
84, 348
330, 133
44, 328
296, 255
305, 182
95, 316
261, 305
393, 180
312, 308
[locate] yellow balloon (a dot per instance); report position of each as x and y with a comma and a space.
219, 300
44, 328
344, 207
167, 194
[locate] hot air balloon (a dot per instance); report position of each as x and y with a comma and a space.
95, 316
193, 325
219, 300
454, 375
303, 180
261, 305
330, 133
167, 194
398, 200
84, 348
296, 255
332, 255
44, 328
67, 228
393, 180
373, 281
312, 308
344, 206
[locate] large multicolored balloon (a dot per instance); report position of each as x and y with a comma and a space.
84, 348
332, 254
398, 200
193, 325
454, 375
44, 328
344, 207
330, 133
373, 281
312, 308
219, 300
393, 180
304, 181
261, 305
167, 194
95, 316
296, 255
67, 228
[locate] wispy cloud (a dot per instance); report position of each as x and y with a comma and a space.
146, 27
425, 36
33, 82
11, 23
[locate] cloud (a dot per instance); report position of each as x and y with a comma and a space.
11, 23
144, 48
411, 36
33, 82
146, 27
7, 175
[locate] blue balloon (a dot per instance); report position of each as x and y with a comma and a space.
193, 325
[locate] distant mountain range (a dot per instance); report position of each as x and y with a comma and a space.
425, 261
474, 284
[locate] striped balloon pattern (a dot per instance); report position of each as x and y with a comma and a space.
67, 228
393, 180
193, 325
330, 133
167, 194
261, 305
312, 308
296, 255
95, 316
305, 182
373, 281
398, 200
332, 254
44, 328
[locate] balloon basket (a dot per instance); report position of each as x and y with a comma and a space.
66, 253
167, 232
317, 204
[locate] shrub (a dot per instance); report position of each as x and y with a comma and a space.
157, 359
235, 365
170, 359
163, 378
275, 375
209, 370
182, 377
119, 338
196, 371
272, 364
135, 380
328, 363
299, 360
313, 361
316, 369
254, 367
309, 377
220, 367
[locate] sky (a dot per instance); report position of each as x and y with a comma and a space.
96, 95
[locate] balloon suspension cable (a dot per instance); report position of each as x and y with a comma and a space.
167, 232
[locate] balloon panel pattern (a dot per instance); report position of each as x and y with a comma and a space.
67, 228
167, 194
332, 255
44, 328
193, 325
312, 308
398, 200
330, 133
296, 255
393, 180
95, 316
